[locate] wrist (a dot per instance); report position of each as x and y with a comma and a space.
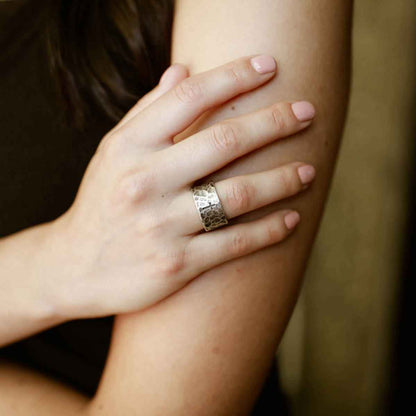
28, 303
50, 273
66, 297
46, 275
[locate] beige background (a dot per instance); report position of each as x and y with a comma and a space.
335, 355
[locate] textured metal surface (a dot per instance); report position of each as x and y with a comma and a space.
209, 206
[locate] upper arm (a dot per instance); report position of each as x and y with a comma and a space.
206, 349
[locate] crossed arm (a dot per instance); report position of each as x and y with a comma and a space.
206, 349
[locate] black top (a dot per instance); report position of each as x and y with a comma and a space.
42, 164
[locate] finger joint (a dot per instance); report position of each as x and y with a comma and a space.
274, 232
288, 182
240, 196
224, 137
188, 91
134, 187
240, 244
239, 73
173, 264
278, 118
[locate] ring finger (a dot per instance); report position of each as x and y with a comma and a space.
241, 194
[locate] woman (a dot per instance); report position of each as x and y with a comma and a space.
191, 305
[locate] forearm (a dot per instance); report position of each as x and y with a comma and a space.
26, 392
29, 304
27, 301
206, 349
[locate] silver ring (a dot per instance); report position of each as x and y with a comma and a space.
209, 206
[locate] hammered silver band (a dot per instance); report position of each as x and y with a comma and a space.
209, 206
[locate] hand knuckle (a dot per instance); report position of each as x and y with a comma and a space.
188, 91
239, 243
157, 222
134, 187
278, 117
224, 137
172, 264
287, 181
239, 72
274, 232
240, 195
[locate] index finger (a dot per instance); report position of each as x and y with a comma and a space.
175, 110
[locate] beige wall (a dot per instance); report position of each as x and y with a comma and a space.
335, 355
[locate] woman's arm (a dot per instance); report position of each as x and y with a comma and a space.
25, 392
158, 257
255, 130
206, 349
27, 296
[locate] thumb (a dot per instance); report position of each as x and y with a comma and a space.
171, 77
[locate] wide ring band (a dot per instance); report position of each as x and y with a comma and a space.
209, 206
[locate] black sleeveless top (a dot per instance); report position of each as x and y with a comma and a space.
42, 163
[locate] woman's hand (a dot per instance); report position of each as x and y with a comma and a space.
132, 236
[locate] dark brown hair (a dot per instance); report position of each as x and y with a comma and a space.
103, 54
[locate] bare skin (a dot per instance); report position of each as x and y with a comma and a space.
110, 253
206, 349
119, 248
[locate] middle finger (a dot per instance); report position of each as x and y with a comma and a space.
216, 146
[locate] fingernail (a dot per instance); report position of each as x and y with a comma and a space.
263, 64
303, 110
165, 75
292, 219
306, 173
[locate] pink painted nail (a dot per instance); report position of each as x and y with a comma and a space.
263, 64
303, 110
306, 173
292, 219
